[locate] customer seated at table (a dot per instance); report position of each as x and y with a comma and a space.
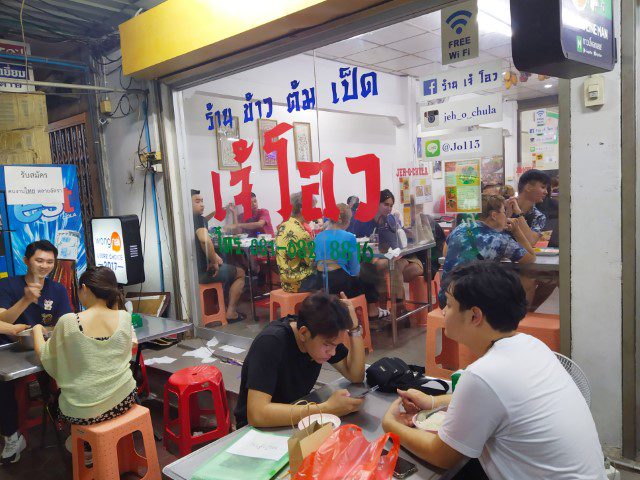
486, 240
532, 189
285, 359
294, 269
88, 353
254, 223
516, 408
211, 268
385, 225
30, 299
337, 257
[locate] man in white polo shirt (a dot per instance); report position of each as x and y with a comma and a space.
516, 409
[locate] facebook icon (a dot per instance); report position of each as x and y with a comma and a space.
430, 87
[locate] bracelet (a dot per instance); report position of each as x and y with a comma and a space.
356, 332
433, 402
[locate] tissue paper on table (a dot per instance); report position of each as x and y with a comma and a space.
159, 360
212, 343
208, 360
202, 352
392, 253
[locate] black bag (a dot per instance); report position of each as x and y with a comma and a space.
391, 373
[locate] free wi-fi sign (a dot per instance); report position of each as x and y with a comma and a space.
459, 27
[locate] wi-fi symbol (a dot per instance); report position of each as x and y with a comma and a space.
458, 20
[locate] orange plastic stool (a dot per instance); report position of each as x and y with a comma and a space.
213, 309
449, 359
115, 437
360, 306
418, 291
26, 403
288, 303
544, 327
186, 384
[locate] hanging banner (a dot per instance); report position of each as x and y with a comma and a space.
461, 80
483, 142
475, 111
462, 186
459, 32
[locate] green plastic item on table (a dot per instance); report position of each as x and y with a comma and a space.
136, 320
225, 466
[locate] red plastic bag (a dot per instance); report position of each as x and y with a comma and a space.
347, 455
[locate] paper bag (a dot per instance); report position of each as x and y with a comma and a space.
304, 442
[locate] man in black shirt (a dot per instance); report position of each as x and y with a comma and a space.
285, 359
211, 268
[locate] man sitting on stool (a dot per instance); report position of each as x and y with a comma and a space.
285, 359
516, 408
31, 299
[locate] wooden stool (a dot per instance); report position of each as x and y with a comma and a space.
288, 303
113, 449
360, 306
213, 309
186, 384
26, 403
418, 291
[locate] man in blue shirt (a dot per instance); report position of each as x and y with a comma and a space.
29, 299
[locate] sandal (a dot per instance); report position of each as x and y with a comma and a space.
382, 313
239, 318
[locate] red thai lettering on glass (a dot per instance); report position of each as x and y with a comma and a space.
309, 212
370, 165
220, 213
280, 147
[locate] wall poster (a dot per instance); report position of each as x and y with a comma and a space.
225, 137
267, 161
462, 186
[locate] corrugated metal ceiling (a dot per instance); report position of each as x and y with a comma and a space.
75, 20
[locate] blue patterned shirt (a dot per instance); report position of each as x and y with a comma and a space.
536, 220
477, 241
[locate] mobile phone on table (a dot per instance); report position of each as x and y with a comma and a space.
361, 392
404, 468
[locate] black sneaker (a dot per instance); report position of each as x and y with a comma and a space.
13, 446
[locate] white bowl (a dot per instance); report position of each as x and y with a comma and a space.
433, 423
321, 418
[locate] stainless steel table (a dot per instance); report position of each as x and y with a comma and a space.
368, 418
230, 373
409, 250
16, 363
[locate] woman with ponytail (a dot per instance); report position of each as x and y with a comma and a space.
88, 353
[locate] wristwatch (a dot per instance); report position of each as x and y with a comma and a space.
356, 332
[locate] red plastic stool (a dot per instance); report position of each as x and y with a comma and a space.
26, 403
186, 384
289, 303
114, 438
143, 388
213, 309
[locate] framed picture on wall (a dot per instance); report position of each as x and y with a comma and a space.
225, 137
302, 141
267, 161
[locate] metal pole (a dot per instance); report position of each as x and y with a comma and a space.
74, 86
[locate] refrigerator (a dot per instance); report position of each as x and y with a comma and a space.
42, 202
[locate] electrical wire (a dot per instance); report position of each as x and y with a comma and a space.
24, 47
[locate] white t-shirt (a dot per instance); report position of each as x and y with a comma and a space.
519, 412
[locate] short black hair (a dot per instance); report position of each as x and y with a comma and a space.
195, 192
253, 195
385, 194
492, 287
324, 314
533, 176
44, 245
